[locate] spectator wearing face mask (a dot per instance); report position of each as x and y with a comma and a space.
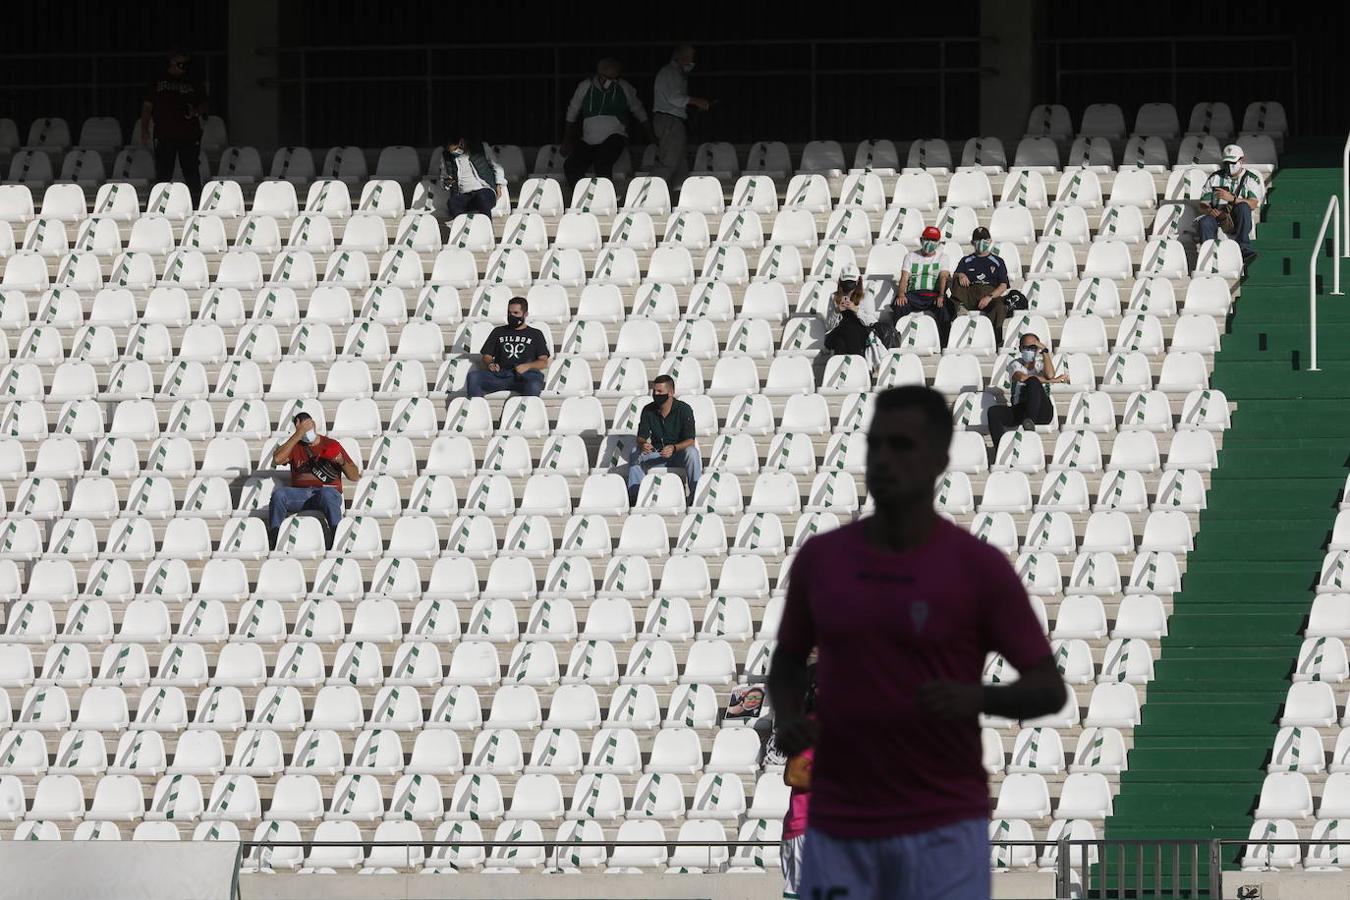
1227, 201
176, 104
515, 356
471, 179
318, 465
670, 104
849, 318
1032, 372
665, 437
981, 282
923, 282
598, 114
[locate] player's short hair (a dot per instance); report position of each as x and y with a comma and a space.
927, 401
301, 417
664, 379
519, 301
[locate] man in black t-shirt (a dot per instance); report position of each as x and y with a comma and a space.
981, 280
176, 103
515, 356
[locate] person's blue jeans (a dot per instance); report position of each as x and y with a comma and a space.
689, 461
1242, 224
287, 500
480, 201
483, 381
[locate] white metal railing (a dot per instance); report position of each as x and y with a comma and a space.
1344, 249
1332, 215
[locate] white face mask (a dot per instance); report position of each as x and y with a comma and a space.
309, 437
1028, 354
688, 67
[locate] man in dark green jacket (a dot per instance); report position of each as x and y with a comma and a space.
665, 437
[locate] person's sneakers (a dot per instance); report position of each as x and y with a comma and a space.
1248, 257
1028, 424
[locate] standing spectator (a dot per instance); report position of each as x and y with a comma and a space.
923, 282
1032, 372
318, 464
176, 104
515, 356
472, 181
981, 282
1227, 201
598, 112
902, 607
665, 437
850, 318
670, 103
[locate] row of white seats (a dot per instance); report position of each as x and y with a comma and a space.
474, 534
1332, 856
1288, 795
514, 707
614, 751
416, 797
548, 493
418, 663
552, 304
28, 272
865, 191
569, 577
344, 707
635, 848
1206, 119
369, 233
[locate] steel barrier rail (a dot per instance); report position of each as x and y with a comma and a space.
1331, 215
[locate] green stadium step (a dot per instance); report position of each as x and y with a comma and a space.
1222, 673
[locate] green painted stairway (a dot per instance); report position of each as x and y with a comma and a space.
1210, 714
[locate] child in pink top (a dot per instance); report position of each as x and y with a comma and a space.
797, 775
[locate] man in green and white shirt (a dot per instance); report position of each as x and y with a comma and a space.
923, 283
598, 113
1227, 201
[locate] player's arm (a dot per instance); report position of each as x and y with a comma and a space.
1039, 691
788, 674
798, 773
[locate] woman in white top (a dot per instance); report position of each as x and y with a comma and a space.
1032, 372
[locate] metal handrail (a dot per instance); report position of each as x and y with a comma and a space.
1345, 198
1331, 214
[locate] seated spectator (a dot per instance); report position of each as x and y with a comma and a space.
923, 282
665, 437
471, 180
1032, 372
515, 356
981, 282
318, 464
598, 113
1227, 201
849, 317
